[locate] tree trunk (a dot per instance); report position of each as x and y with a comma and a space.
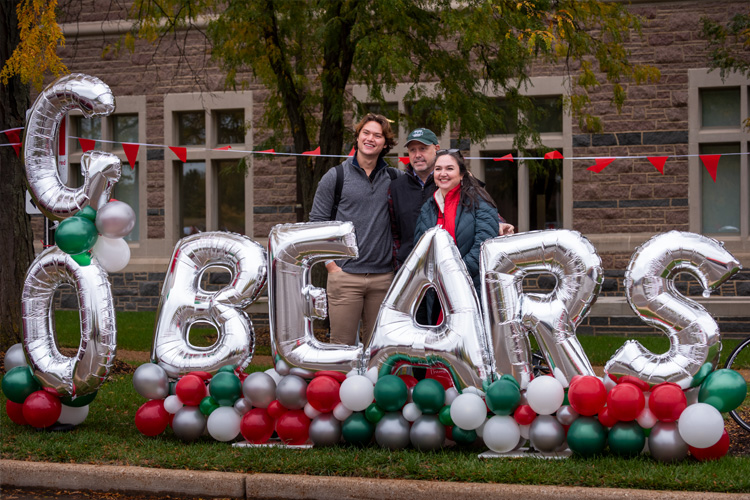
16, 240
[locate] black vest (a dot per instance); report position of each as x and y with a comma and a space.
408, 196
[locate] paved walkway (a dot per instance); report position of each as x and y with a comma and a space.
277, 486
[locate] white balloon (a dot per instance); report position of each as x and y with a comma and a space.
224, 423
480, 430
525, 431
357, 393
372, 374
701, 425
468, 411
172, 404
341, 412
501, 433
411, 412
113, 254
72, 415
311, 412
545, 395
646, 418
451, 394
609, 384
276, 376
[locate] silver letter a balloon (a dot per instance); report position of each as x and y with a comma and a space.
295, 302
551, 317
693, 334
184, 303
459, 343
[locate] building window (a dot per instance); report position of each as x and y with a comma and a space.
230, 127
191, 128
231, 196
126, 190
86, 128
193, 198
720, 107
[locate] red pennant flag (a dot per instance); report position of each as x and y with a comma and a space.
314, 152
658, 162
351, 153
711, 162
508, 157
131, 151
267, 151
87, 144
180, 152
404, 159
225, 148
601, 164
14, 139
553, 155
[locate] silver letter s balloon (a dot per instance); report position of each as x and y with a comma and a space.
294, 301
693, 334
459, 343
552, 317
100, 170
87, 370
184, 303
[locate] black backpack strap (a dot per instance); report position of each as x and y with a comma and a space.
337, 190
391, 173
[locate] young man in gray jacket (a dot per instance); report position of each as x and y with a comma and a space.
356, 287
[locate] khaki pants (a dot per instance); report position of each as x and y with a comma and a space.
352, 297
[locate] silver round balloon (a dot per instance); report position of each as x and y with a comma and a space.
184, 303
553, 317
459, 343
693, 334
14, 357
665, 443
282, 367
292, 392
260, 389
392, 431
151, 381
100, 170
189, 423
325, 430
115, 219
546, 433
84, 372
242, 406
566, 415
427, 433
294, 302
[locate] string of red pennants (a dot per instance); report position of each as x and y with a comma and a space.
710, 162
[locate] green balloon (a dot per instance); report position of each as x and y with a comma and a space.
374, 413
83, 259
626, 439
18, 383
391, 393
462, 436
723, 389
225, 388
172, 386
445, 416
503, 397
565, 399
227, 368
703, 372
88, 212
586, 436
76, 235
357, 430
510, 378
78, 402
208, 405
429, 396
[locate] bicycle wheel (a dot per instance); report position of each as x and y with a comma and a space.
739, 360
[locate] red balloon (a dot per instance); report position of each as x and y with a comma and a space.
625, 402
191, 390
449, 432
629, 379
293, 427
337, 376
714, 452
605, 418
41, 409
587, 395
667, 402
323, 394
151, 418
15, 412
442, 376
257, 426
201, 375
524, 415
276, 409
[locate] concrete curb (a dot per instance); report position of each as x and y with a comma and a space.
274, 486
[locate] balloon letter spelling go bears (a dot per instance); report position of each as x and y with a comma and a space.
184, 303
459, 343
693, 334
551, 317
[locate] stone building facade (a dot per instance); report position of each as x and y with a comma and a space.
689, 112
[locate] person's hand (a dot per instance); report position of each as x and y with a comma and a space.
506, 229
332, 267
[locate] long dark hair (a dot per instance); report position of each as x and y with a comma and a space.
471, 190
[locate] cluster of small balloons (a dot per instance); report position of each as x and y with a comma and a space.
29, 403
98, 233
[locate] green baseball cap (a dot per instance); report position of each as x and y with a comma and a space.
423, 135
